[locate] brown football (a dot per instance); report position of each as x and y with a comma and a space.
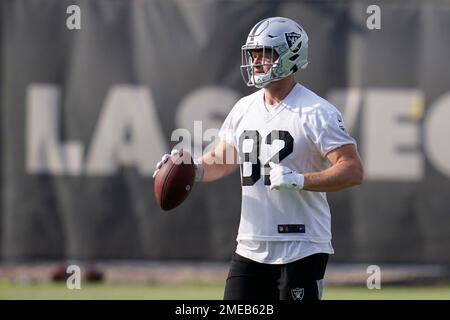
174, 181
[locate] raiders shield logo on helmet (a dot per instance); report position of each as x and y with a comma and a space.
297, 293
293, 40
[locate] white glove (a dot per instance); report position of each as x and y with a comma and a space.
164, 160
284, 178
174, 152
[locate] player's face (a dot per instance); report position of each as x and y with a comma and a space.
262, 59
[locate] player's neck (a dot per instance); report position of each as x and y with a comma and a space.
278, 90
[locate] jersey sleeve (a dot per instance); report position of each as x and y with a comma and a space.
227, 132
325, 129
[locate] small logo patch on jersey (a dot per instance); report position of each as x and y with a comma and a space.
298, 293
291, 228
293, 40
341, 123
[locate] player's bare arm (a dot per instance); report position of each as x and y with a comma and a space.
213, 165
219, 162
345, 171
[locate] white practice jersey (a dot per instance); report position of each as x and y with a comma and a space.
298, 133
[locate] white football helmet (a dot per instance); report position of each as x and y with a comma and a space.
281, 35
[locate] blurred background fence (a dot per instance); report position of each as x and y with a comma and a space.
86, 113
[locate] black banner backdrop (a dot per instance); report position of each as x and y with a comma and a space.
86, 113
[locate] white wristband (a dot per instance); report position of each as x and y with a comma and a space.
199, 171
300, 181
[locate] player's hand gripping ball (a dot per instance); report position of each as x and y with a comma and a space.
174, 178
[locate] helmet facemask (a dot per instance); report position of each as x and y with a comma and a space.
257, 79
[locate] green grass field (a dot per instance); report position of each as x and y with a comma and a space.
201, 292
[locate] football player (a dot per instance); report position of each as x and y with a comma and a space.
292, 148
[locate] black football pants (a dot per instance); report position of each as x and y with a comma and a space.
298, 280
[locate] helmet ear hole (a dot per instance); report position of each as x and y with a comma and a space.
294, 57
